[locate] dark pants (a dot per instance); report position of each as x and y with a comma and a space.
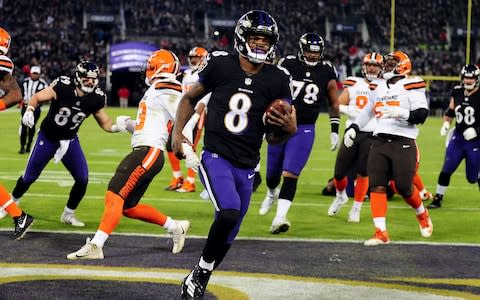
27, 133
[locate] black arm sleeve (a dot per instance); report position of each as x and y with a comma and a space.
450, 113
418, 116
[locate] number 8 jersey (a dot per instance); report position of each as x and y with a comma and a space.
233, 126
68, 111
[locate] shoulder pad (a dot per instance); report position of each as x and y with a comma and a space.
372, 86
350, 81
414, 83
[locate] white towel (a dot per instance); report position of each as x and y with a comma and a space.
62, 149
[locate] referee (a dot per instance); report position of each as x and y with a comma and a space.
30, 86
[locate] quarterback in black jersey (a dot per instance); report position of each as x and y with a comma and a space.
242, 87
73, 99
314, 84
465, 140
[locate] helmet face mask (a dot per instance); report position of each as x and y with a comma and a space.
470, 72
5, 40
86, 76
396, 64
311, 47
162, 64
197, 57
250, 26
372, 65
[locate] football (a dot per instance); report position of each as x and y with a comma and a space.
280, 105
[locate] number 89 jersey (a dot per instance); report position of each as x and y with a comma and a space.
233, 127
68, 111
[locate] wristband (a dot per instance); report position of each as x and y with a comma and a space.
334, 124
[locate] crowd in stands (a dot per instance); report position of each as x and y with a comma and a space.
55, 34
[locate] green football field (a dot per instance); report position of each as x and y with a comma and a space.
458, 221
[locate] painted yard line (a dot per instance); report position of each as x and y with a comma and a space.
254, 238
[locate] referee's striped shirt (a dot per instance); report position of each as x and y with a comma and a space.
31, 87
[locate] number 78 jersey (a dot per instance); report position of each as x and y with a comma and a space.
233, 127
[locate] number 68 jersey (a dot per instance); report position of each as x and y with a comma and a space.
467, 108
233, 127
68, 111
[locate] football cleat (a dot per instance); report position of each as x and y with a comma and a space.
175, 184
187, 187
279, 225
354, 215
195, 284
379, 238
70, 219
340, 200
425, 224
179, 234
437, 201
268, 201
88, 251
22, 225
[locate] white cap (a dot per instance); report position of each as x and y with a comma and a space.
35, 69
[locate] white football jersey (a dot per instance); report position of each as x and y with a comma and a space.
408, 93
157, 107
190, 77
359, 93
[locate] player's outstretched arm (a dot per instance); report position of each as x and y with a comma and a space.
105, 122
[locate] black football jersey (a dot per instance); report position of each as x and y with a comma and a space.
68, 111
467, 108
234, 128
309, 87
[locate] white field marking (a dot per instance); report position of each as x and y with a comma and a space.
268, 239
255, 287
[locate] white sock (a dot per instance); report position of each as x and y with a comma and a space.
100, 238
170, 224
191, 179
206, 265
177, 174
283, 205
342, 194
420, 210
357, 204
68, 211
441, 189
380, 223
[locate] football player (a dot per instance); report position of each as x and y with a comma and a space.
352, 100
464, 106
137, 170
196, 59
10, 94
73, 99
314, 83
242, 87
398, 103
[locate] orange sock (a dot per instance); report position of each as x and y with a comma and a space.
418, 182
361, 188
378, 204
191, 173
146, 213
111, 213
341, 184
174, 162
12, 209
414, 200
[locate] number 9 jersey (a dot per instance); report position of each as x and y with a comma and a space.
68, 110
234, 128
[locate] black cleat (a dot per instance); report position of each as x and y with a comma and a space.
22, 224
194, 285
257, 180
437, 201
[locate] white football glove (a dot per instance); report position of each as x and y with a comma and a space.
121, 124
445, 128
470, 133
28, 118
333, 141
351, 111
396, 112
191, 159
349, 137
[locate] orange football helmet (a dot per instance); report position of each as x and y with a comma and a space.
6, 64
161, 64
5, 40
197, 57
397, 63
375, 59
